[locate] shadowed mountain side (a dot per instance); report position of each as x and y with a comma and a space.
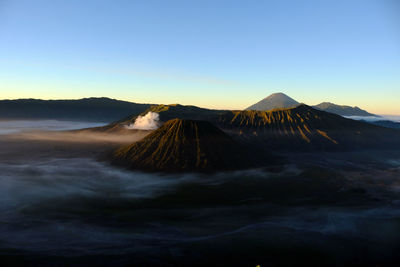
342, 110
87, 109
166, 112
274, 101
186, 145
305, 128
302, 128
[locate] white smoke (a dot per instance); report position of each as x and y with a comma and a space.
150, 121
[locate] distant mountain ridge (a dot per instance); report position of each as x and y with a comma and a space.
280, 101
104, 109
342, 110
87, 109
274, 101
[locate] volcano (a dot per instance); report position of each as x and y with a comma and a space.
302, 128
185, 145
274, 101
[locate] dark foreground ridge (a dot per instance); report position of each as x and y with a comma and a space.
304, 128
185, 145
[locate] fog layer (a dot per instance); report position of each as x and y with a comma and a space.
58, 200
17, 126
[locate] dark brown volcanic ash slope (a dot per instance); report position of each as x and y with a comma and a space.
185, 145
305, 128
302, 128
166, 112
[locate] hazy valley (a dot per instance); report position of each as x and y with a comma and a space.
321, 190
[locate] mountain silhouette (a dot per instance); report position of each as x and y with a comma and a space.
104, 109
342, 110
280, 101
100, 109
274, 101
185, 145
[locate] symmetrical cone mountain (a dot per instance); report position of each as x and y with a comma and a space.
274, 101
185, 145
281, 101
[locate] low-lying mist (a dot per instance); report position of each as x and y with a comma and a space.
44, 204
79, 206
63, 131
17, 126
23, 185
57, 199
79, 137
393, 118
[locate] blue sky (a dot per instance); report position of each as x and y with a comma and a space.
218, 54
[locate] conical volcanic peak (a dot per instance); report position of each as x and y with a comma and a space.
274, 101
185, 145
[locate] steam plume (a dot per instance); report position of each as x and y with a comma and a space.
150, 121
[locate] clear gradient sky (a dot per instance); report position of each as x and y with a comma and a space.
217, 54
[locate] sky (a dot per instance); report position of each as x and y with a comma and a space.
223, 54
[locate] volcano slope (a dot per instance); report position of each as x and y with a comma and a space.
302, 128
274, 101
166, 113
305, 128
182, 145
